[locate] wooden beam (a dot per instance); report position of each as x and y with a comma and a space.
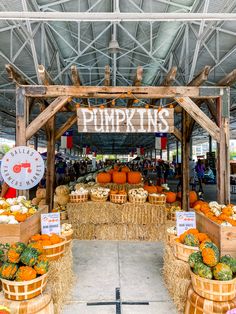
201, 77
75, 76
185, 154
177, 134
199, 116
44, 76
43, 117
15, 76
50, 177
168, 80
137, 82
71, 120
130, 92
107, 80
228, 80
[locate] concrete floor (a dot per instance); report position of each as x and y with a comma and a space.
135, 267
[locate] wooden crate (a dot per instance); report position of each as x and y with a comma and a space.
24, 230
223, 237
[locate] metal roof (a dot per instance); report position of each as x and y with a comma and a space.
156, 46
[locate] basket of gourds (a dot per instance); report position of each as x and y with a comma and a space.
138, 196
53, 245
157, 199
118, 196
99, 194
213, 278
24, 273
67, 233
79, 196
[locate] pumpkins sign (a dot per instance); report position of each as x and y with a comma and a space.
123, 120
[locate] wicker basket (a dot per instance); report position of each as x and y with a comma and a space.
170, 238
96, 198
118, 198
67, 235
214, 290
55, 251
75, 198
63, 215
137, 200
157, 199
171, 216
24, 290
182, 251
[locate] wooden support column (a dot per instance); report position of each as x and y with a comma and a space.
177, 151
77, 81
50, 177
137, 82
223, 166
185, 154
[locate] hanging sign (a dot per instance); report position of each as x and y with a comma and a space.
185, 221
125, 120
50, 223
22, 167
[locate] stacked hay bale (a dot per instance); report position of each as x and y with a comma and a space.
177, 278
40, 198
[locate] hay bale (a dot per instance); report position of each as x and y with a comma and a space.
110, 231
177, 278
84, 231
61, 279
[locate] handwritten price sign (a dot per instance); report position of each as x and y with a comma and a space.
50, 223
185, 221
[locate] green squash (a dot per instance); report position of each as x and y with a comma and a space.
8, 271
19, 247
195, 257
42, 266
230, 261
191, 240
202, 270
29, 256
222, 272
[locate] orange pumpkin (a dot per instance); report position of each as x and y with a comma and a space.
119, 177
159, 189
104, 177
150, 188
20, 217
134, 177
192, 197
228, 211
36, 237
170, 197
125, 169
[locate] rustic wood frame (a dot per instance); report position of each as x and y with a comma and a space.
189, 98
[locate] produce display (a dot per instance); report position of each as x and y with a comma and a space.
41, 240
99, 193
23, 263
16, 210
80, 191
119, 175
66, 229
224, 215
207, 263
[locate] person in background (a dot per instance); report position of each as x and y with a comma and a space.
200, 170
209, 175
7, 191
192, 174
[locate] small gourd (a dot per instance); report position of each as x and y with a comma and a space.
8, 271
210, 257
191, 240
222, 272
42, 265
25, 273
230, 261
194, 258
29, 256
202, 270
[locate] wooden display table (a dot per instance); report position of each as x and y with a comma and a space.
40, 305
109, 221
24, 230
223, 237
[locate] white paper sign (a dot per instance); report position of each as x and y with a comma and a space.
185, 221
50, 223
22, 167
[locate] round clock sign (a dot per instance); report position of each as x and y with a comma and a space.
22, 167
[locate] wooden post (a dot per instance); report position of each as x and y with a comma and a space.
177, 151
223, 166
50, 162
185, 161
210, 144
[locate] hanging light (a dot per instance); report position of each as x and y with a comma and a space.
113, 45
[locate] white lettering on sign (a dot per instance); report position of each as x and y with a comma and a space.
125, 120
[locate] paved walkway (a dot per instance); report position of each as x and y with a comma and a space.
134, 267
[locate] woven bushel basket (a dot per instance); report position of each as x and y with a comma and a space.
63, 215
214, 290
55, 251
118, 198
182, 251
170, 238
78, 198
68, 237
24, 290
137, 200
157, 199
96, 198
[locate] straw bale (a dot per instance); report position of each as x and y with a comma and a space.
84, 231
177, 278
110, 231
61, 279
